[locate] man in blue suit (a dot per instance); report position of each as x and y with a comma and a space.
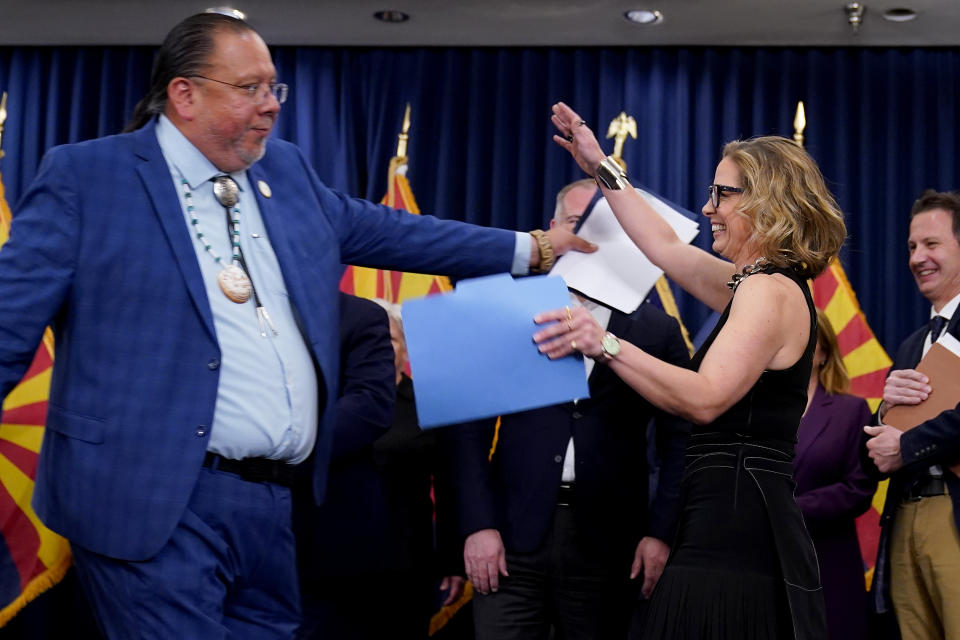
918, 558
196, 337
557, 527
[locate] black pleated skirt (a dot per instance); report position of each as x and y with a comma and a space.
723, 580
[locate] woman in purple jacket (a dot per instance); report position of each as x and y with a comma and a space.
831, 488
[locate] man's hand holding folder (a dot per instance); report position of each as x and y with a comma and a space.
913, 397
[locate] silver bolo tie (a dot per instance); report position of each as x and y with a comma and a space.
227, 193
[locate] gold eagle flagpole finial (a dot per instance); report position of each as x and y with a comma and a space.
799, 124
620, 127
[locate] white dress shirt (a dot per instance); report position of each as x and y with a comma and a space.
602, 315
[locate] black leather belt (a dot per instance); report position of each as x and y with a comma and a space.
565, 495
253, 469
925, 487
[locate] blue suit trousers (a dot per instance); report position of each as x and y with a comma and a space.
228, 571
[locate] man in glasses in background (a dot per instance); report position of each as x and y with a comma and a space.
189, 269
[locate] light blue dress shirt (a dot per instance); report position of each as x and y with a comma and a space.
267, 401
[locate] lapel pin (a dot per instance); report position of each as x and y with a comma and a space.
264, 188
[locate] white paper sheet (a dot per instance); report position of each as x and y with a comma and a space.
618, 274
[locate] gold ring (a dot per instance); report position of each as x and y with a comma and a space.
569, 314
569, 326
573, 345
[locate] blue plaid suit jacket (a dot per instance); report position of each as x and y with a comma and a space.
99, 250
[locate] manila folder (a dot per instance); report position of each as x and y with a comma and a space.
942, 366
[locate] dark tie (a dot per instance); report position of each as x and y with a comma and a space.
937, 323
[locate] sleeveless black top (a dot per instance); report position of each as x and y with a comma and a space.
772, 408
742, 564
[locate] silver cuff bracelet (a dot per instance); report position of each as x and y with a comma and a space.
611, 175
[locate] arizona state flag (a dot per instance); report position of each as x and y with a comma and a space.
867, 363
396, 287
32, 558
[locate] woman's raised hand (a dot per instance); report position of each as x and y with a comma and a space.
577, 138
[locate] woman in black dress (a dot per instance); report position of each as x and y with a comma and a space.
742, 565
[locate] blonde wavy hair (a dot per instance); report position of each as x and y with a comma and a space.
833, 374
796, 221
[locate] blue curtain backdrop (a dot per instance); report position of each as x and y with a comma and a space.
882, 124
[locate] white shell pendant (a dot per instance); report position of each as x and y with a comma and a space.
235, 284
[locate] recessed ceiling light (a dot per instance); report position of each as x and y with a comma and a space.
391, 15
644, 16
900, 14
228, 11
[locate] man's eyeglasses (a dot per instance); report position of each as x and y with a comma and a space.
256, 92
714, 191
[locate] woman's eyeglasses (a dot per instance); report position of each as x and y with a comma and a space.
715, 190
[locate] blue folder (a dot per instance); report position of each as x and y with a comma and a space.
472, 353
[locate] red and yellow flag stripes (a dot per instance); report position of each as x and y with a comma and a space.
867, 363
394, 286
32, 558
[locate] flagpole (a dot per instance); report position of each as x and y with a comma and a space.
396, 162
404, 134
867, 361
3, 118
4, 209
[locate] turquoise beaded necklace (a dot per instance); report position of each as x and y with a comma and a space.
234, 283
